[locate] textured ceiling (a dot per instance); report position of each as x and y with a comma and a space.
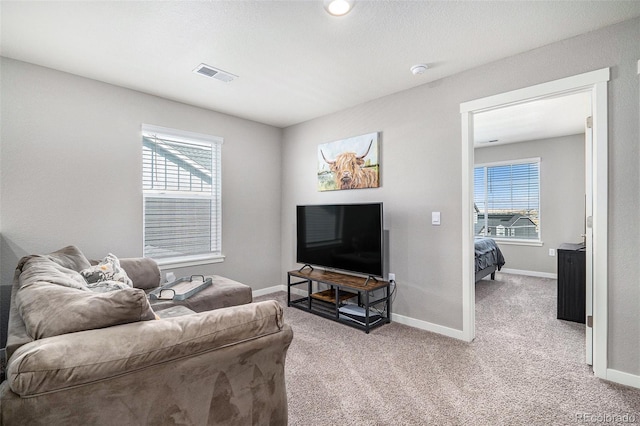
294, 61
539, 119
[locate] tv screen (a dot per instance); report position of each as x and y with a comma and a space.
341, 236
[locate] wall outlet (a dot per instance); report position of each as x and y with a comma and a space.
392, 277
552, 252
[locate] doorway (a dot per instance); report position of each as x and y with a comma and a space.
595, 83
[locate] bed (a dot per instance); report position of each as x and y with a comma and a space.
489, 258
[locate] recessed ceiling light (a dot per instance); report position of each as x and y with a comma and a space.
338, 7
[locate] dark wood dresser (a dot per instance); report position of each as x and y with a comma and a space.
571, 282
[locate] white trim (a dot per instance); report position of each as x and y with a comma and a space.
185, 261
179, 135
427, 326
269, 290
278, 288
539, 91
530, 273
510, 162
468, 273
170, 194
622, 378
596, 83
588, 240
600, 212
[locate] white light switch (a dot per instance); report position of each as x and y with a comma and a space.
435, 218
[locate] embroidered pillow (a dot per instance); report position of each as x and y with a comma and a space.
107, 275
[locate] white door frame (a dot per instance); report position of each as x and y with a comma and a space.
594, 82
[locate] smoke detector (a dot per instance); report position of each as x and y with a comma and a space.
211, 72
419, 69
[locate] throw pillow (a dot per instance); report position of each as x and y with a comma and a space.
107, 275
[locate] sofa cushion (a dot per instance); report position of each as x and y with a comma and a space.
222, 293
49, 309
39, 268
54, 300
69, 257
87, 357
174, 311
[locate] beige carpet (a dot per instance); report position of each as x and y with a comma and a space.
525, 367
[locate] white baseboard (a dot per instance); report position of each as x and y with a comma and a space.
269, 290
427, 326
276, 289
530, 273
401, 319
623, 378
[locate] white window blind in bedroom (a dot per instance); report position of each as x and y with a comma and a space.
507, 200
181, 192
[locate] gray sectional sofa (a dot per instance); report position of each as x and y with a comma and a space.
80, 357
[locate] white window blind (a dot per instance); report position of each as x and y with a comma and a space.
181, 191
507, 200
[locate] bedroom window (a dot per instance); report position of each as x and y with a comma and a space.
181, 193
506, 200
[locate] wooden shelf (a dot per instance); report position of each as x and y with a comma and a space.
325, 303
351, 281
330, 295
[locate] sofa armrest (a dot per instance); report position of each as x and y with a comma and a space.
75, 359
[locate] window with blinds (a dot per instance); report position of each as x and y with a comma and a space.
507, 200
181, 192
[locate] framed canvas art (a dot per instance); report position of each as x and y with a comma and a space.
351, 163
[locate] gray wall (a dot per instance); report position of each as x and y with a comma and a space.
71, 172
421, 173
67, 143
562, 192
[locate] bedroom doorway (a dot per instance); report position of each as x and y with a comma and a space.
595, 83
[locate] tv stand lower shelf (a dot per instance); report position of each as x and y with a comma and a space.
347, 300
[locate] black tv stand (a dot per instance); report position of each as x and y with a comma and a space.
342, 287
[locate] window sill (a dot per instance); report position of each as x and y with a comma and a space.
186, 261
508, 241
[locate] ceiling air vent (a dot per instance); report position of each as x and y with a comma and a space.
208, 71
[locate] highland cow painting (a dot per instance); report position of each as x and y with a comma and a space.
349, 163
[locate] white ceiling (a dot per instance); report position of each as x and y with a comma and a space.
294, 61
540, 119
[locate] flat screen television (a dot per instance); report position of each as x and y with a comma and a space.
348, 237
